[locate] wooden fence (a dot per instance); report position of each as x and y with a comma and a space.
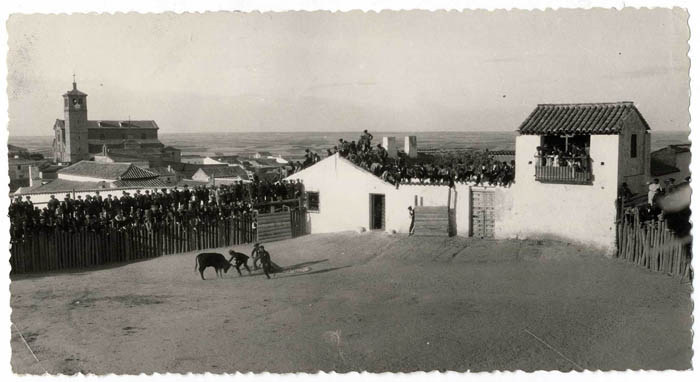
56, 250
653, 246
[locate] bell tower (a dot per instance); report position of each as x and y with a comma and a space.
76, 130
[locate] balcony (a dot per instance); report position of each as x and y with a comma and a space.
571, 174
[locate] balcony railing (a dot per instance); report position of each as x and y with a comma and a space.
580, 174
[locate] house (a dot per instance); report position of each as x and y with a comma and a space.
219, 175
167, 174
341, 196
672, 161
192, 158
19, 171
576, 198
230, 160
107, 156
90, 178
187, 170
119, 175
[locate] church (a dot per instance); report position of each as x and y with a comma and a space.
77, 138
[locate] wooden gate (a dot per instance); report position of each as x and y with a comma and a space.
274, 226
482, 213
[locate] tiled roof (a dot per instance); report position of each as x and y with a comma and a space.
659, 168
63, 185
163, 170
111, 171
583, 118
123, 158
135, 172
153, 182
115, 124
226, 172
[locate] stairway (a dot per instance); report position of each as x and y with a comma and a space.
432, 221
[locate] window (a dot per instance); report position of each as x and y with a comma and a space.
102, 136
312, 201
633, 146
143, 136
19, 167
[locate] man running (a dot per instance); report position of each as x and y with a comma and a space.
255, 254
240, 259
265, 261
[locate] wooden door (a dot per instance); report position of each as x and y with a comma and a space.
483, 218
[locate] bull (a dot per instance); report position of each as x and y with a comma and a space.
216, 260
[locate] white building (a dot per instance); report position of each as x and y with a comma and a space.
221, 175
561, 201
343, 197
89, 178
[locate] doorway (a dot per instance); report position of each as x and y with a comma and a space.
376, 212
483, 219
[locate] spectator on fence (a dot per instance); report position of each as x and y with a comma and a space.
654, 189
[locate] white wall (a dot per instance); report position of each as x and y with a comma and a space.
343, 194
398, 200
578, 213
78, 178
344, 197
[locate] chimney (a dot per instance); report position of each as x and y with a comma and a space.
389, 144
34, 175
411, 146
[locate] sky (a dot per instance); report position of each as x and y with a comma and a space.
323, 71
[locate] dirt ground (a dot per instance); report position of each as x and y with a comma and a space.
355, 302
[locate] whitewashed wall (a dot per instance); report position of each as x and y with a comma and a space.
578, 213
344, 198
343, 194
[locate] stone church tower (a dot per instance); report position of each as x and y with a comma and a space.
76, 125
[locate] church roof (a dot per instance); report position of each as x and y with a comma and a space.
580, 118
115, 124
111, 171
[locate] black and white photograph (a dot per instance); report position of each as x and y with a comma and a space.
312, 191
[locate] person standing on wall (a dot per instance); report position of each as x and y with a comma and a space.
412, 213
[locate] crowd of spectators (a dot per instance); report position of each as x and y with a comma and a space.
190, 206
651, 211
572, 155
478, 167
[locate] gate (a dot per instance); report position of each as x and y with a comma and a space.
281, 225
482, 213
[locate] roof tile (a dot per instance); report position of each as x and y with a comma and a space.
583, 118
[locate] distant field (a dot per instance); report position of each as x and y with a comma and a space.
358, 302
294, 144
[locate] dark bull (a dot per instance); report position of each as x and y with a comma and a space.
216, 260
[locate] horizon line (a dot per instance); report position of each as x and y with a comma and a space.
339, 132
